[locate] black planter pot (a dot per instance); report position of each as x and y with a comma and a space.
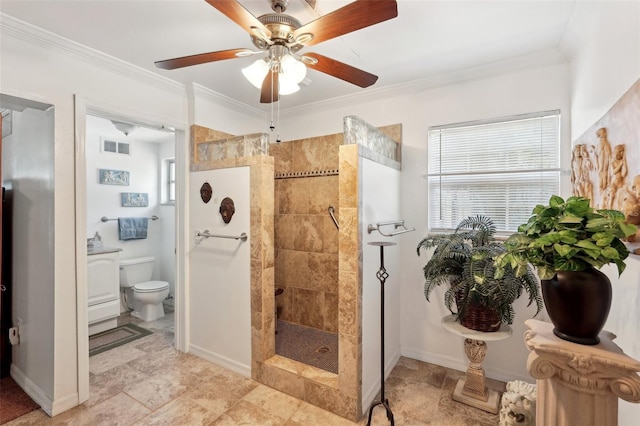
578, 304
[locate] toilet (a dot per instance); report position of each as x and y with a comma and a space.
143, 296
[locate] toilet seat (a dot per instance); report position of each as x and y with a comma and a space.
150, 286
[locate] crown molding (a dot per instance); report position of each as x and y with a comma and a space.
225, 101
50, 41
535, 60
53, 42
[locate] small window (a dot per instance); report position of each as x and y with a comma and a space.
500, 168
171, 182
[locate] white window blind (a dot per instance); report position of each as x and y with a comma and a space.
500, 168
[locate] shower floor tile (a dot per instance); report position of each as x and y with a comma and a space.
308, 345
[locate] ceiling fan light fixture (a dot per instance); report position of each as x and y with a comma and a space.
280, 34
293, 69
256, 72
287, 86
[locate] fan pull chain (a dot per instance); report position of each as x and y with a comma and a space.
272, 127
278, 126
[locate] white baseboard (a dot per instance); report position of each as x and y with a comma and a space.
32, 390
229, 364
51, 407
64, 404
457, 364
369, 394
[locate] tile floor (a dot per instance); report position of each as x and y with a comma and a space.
148, 382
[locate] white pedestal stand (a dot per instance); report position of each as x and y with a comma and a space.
472, 389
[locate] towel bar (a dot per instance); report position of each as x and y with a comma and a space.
207, 234
397, 224
106, 219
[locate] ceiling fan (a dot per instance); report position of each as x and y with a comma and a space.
281, 36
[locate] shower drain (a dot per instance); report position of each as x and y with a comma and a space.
323, 349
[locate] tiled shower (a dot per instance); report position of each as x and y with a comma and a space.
297, 247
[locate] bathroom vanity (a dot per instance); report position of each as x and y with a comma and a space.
103, 279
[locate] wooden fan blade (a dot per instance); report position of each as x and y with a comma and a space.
352, 17
267, 95
238, 14
342, 71
202, 58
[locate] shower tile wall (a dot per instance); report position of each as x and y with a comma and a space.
201, 134
306, 239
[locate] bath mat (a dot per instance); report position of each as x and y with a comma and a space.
14, 401
113, 338
308, 345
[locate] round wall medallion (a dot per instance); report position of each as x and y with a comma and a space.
205, 192
227, 209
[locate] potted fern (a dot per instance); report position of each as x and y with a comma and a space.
568, 242
480, 294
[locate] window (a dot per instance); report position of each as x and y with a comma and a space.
171, 181
168, 181
500, 168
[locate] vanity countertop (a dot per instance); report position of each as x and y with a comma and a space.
102, 250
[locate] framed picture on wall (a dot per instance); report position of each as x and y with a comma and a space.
135, 199
114, 177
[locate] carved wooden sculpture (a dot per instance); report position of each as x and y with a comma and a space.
227, 209
619, 168
603, 156
581, 167
631, 206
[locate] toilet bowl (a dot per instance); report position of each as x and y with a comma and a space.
143, 296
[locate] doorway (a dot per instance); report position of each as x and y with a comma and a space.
140, 164
27, 296
151, 154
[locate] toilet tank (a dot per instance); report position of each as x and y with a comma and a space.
135, 270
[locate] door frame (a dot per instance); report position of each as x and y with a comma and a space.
5, 347
82, 108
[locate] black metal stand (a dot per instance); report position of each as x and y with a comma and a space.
382, 276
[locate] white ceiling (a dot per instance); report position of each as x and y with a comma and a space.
428, 41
